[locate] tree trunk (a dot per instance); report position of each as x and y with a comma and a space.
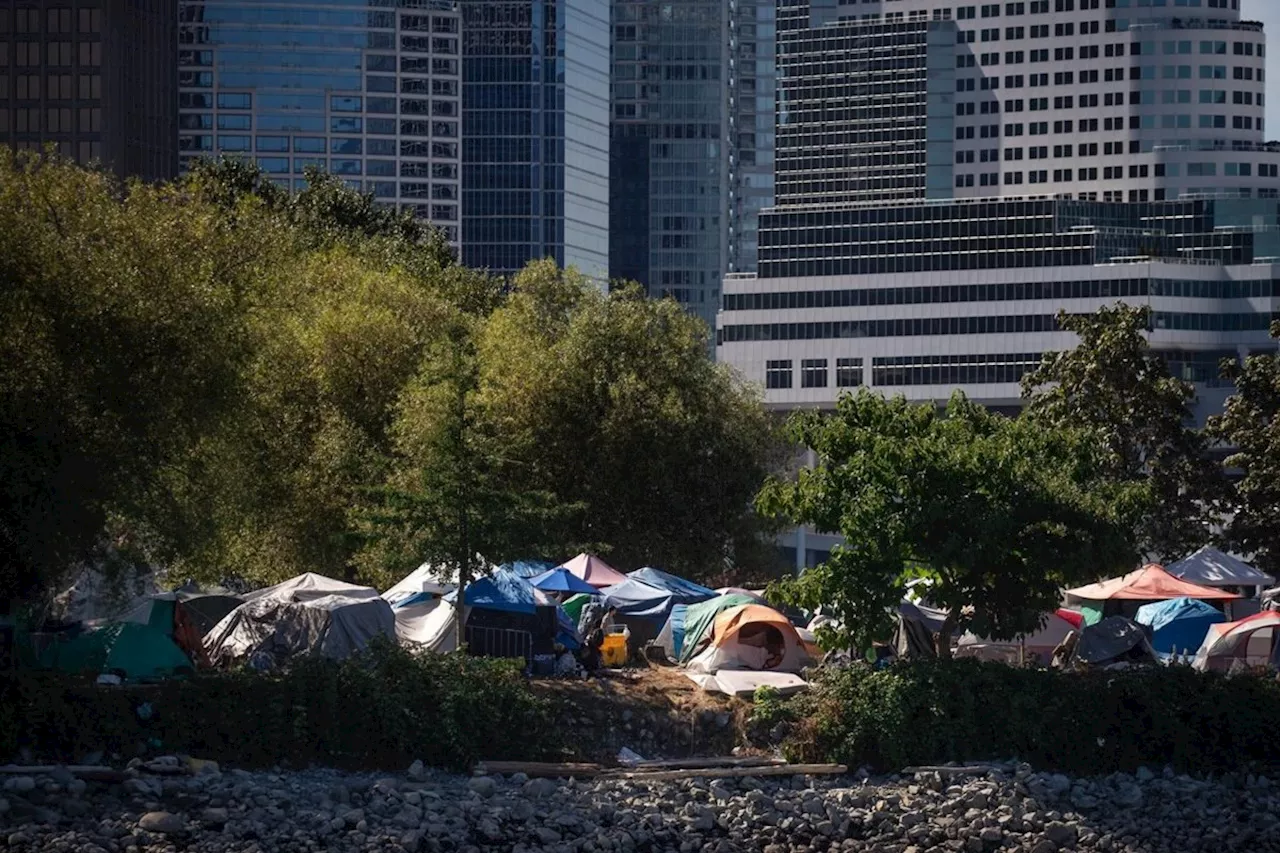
942, 642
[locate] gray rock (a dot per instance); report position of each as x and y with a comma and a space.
1061, 834
416, 772
21, 784
215, 816
163, 823
539, 788
1144, 775
1044, 845
485, 786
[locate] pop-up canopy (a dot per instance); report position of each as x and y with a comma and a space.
1149, 583
1211, 567
594, 571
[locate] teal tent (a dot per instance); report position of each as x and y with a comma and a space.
132, 651
689, 627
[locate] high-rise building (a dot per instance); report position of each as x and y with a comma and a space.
535, 134
365, 89
95, 78
691, 155
951, 174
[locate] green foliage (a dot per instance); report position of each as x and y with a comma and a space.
123, 330
1113, 385
611, 403
1250, 423
1001, 514
1089, 723
380, 710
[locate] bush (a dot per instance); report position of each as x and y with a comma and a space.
379, 710
1083, 723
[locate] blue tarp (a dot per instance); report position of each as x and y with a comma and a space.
684, 592
638, 599
527, 568
562, 580
502, 590
1178, 625
675, 629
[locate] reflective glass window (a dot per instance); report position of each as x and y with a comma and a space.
308, 144
345, 103
273, 143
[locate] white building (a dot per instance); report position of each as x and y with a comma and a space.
952, 174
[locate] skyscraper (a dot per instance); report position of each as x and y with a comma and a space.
364, 89
691, 156
951, 174
95, 78
535, 134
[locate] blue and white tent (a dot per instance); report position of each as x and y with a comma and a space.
1179, 625
683, 591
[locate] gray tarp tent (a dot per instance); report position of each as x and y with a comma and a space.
1114, 640
306, 615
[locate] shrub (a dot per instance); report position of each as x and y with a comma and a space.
379, 710
1085, 723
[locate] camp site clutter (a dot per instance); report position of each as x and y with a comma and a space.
1211, 610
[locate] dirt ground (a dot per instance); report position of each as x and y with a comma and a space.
653, 710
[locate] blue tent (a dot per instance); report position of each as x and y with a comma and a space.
562, 580
1179, 624
506, 592
637, 599
684, 592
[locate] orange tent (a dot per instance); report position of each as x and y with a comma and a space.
755, 637
1149, 583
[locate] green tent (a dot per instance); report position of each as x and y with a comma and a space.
1092, 611
573, 606
137, 652
699, 618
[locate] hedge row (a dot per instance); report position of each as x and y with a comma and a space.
380, 710
1081, 723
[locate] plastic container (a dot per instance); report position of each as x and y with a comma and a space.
614, 650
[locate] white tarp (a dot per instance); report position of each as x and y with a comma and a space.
1211, 567
306, 615
424, 579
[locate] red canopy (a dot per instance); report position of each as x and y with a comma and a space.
1149, 583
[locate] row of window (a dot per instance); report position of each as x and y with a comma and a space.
985, 325
437, 128
1000, 292
54, 120
814, 373
56, 87
375, 147
61, 54
57, 21
1107, 125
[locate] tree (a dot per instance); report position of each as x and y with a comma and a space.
447, 502
121, 333
1250, 423
610, 402
1114, 385
1001, 514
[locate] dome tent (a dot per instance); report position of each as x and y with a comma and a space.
134, 652
683, 591
689, 626
306, 615
751, 637
1178, 626
1252, 641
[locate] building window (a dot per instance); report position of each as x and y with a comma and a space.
777, 374
813, 373
848, 372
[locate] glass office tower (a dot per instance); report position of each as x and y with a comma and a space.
367, 89
535, 134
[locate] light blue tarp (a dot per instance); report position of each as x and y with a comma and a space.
1179, 624
502, 590
527, 568
639, 600
683, 591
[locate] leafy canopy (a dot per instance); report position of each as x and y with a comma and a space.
1001, 514
1113, 385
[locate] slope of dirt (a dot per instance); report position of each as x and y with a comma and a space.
655, 711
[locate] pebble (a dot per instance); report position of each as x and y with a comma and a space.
1015, 810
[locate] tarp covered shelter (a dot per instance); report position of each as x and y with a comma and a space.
187, 614
1117, 596
426, 579
752, 637
1114, 640
527, 568
918, 624
1211, 567
595, 571
506, 616
130, 650
642, 608
1179, 625
689, 626
1251, 641
1036, 647
683, 591
306, 615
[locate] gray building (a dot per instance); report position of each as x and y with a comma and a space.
692, 143
952, 174
535, 134
369, 91
95, 78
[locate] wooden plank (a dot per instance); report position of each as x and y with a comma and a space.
730, 772
91, 773
546, 770
965, 770
701, 763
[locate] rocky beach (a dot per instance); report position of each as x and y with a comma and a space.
1004, 807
